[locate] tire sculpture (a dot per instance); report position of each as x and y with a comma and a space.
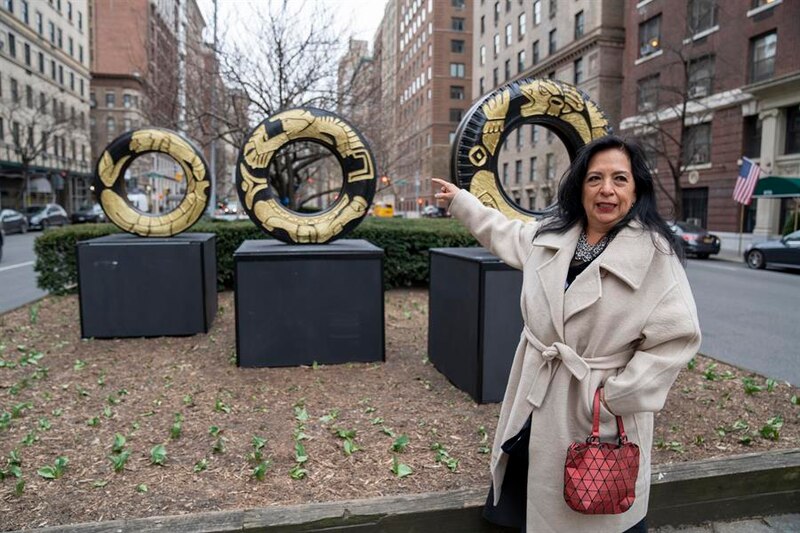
260, 201
563, 108
109, 182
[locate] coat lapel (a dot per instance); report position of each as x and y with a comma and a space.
553, 273
584, 291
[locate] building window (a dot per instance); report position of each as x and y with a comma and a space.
650, 36
496, 44
9, 5
507, 70
80, 53
69, 11
12, 45
508, 6
521, 25
457, 46
534, 134
457, 70
53, 71
792, 130
14, 91
482, 55
481, 88
2, 129
701, 76
71, 81
457, 24
521, 61
111, 100
579, 22
81, 85
702, 15
762, 56
648, 144
111, 126
495, 80
505, 173
647, 94
61, 74
456, 92
483, 24
51, 27
518, 171
25, 17
496, 12
519, 138
697, 144
29, 96
41, 62
551, 45
532, 170
42, 103
60, 38
80, 21
550, 162
509, 32
456, 115
70, 47
537, 12
535, 58
553, 6
695, 205
578, 71
39, 23
27, 49
751, 136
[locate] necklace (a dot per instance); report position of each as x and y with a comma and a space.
588, 252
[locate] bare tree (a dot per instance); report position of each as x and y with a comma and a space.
36, 123
674, 126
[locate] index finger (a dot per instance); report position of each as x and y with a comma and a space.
441, 182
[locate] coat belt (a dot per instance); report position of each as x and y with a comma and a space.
577, 365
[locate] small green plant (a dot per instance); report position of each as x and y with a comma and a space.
44, 424
100, 483
330, 417
692, 364
260, 470
107, 412
300, 454
298, 472
771, 384
441, 456
79, 365
175, 430
188, 401
771, 429
258, 444
30, 438
400, 443
399, 469
18, 409
219, 445
19, 487
56, 470
5, 420
214, 431
200, 465
221, 407
377, 420
300, 413
483, 448
750, 386
795, 399
118, 460
673, 446
33, 313
141, 488
93, 422
348, 436
740, 425
710, 372
119, 443
158, 455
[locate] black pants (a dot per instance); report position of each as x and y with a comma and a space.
510, 510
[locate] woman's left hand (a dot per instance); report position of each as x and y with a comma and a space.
447, 192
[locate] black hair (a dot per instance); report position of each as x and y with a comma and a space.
569, 209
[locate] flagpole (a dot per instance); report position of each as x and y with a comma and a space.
741, 227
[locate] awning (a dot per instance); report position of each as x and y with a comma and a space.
41, 185
777, 187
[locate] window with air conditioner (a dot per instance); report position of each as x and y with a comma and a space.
702, 15
700, 76
697, 144
647, 94
762, 56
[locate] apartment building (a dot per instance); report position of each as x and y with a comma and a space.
733, 66
430, 54
44, 103
575, 41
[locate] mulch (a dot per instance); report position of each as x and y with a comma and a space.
73, 399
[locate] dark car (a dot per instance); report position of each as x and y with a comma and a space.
695, 240
13, 221
780, 253
46, 216
89, 213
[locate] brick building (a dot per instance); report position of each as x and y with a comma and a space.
44, 103
733, 66
575, 41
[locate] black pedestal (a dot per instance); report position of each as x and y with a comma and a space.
132, 286
474, 320
296, 304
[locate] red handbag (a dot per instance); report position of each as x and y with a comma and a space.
600, 477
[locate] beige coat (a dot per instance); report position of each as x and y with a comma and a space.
631, 317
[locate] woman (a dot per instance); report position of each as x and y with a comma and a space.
605, 303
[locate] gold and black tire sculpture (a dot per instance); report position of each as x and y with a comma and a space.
110, 182
312, 125
563, 108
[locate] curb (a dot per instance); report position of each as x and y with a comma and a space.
681, 494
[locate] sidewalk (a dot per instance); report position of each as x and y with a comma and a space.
787, 523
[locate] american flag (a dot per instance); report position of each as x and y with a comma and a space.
749, 174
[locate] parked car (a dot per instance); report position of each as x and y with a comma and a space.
46, 216
89, 213
782, 252
695, 240
13, 221
433, 211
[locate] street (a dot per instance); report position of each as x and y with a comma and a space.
17, 278
749, 317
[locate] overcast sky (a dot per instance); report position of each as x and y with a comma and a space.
356, 18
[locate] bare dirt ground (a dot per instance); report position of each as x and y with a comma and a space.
184, 403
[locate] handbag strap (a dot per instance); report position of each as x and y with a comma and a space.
595, 436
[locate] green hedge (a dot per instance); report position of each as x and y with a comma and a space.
406, 243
